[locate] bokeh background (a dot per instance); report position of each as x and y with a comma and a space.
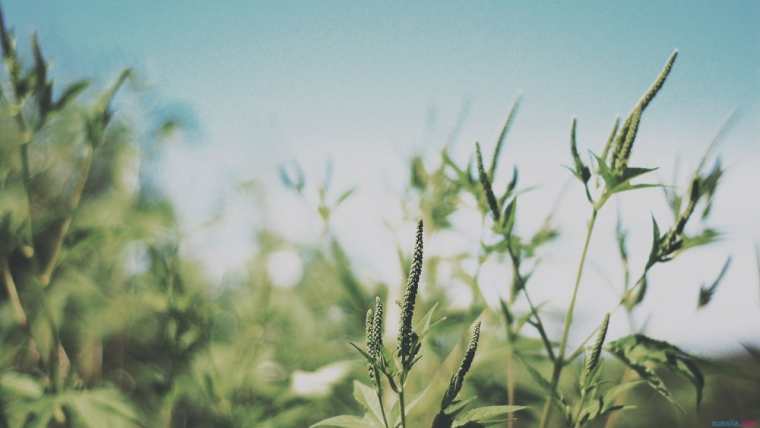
354, 91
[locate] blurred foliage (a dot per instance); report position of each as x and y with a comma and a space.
106, 323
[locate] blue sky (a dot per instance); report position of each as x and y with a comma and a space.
369, 84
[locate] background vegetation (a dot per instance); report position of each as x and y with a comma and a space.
105, 323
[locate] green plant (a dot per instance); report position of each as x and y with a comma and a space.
106, 321
396, 370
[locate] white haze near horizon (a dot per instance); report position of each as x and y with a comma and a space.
380, 175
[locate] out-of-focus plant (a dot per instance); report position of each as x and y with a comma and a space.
106, 321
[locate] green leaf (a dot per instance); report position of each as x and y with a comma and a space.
294, 181
457, 406
656, 237
485, 183
367, 397
508, 317
535, 375
626, 187
706, 293
362, 351
706, 237
419, 175
103, 104
607, 175
101, 407
502, 137
614, 392
426, 323
508, 221
488, 415
395, 416
70, 93
19, 385
644, 355
343, 196
631, 173
580, 170
342, 421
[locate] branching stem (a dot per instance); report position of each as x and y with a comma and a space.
559, 362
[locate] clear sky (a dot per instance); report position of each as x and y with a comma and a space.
369, 84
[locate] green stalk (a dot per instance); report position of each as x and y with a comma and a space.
560, 361
580, 409
48, 268
10, 287
382, 409
401, 404
379, 392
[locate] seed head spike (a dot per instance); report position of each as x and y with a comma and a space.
595, 350
457, 380
406, 337
627, 136
610, 140
377, 328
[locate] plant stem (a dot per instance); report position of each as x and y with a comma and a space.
560, 361
510, 382
62, 227
401, 404
382, 407
10, 287
580, 410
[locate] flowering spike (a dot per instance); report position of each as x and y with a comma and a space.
595, 350
406, 337
457, 380
630, 128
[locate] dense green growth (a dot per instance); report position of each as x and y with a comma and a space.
104, 321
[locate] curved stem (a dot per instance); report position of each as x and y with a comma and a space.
382, 409
577, 423
10, 287
560, 360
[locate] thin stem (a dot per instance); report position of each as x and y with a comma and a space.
510, 382
382, 407
517, 283
379, 392
62, 227
539, 325
26, 138
559, 362
401, 404
10, 287
580, 409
